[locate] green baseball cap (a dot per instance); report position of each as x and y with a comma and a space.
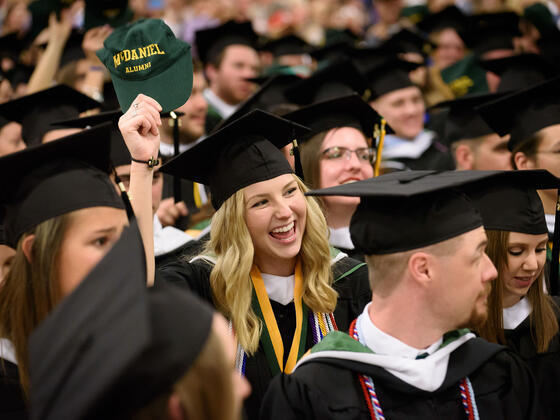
145, 57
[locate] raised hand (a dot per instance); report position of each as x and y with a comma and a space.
139, 127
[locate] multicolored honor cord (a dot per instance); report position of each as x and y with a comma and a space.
375, 410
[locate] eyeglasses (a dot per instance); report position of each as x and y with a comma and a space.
365, 154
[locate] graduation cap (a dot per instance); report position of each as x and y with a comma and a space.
286, 45
450, 17
415, 13
73, 49
525, 112
121, 345
35, 112
11, 45
56, 178
406, 41
466, 76
338, 79
331, 52
238, 155
492, 31
107, 12
211, 42
346, 111
402, 211
268, 97
333, 36
519, 71
541, 18
514, 194
389, 76
367, 58
462, 121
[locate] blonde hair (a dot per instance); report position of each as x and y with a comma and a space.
543, 321
205, 391
231, 284
30, 290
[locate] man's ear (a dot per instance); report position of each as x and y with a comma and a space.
27, 247
211, 73
419, 267
522, 161
175, 409
464, 157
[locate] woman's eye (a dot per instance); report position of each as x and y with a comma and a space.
259, 203
539, 250
101, 241
291, 191
515, 252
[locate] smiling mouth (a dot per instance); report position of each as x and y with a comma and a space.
286, 233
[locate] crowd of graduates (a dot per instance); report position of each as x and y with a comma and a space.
298, 209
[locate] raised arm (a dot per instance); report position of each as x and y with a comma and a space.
139, 127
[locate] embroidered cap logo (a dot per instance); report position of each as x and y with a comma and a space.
145, 57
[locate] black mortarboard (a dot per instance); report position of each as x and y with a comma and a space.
519, 71
35, 112
73, 49
525, 112
492, 31
286, 45
11, 45
402, 211
463, 122
389, 76
338, 79
346, 111
333, 36
510, 202
211, 42
238, 155
268, 97
367, 58
106, 12
119, 152
56, 178
331, 52
450, 17
406, 41
121, 345
541, 18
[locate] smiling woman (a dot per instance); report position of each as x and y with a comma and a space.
58, 238
267, 266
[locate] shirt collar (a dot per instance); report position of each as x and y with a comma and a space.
340, 238
516, 314
279, 288
383, 343
224, 109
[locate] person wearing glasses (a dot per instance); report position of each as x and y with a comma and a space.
337, 151
532, 118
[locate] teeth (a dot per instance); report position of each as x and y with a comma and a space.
349, 181
286, 228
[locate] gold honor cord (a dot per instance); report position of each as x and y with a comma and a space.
196, 195
379, 133
270, 320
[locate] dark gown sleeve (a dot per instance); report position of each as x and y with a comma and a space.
193, 276
12, 402
351, 281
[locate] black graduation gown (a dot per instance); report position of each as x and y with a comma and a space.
436, 157
352, 253
544, 366
351, 283
329, 389
12, 401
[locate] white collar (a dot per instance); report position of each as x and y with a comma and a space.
168, 238
383, 343
224, 109
397, 147
279, 288
550, 219
340, 238
516, 314
400, 360
167, 149
7, 351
